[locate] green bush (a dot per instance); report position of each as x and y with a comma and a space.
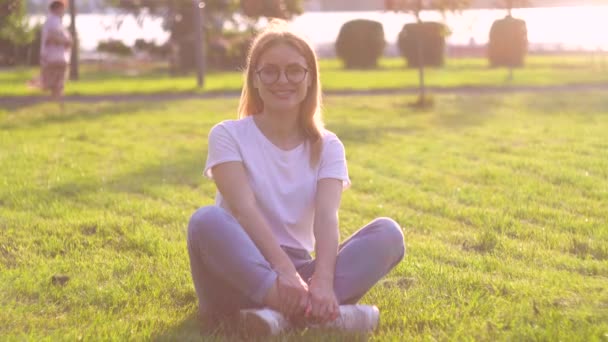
115, 47
360, 43
21, 54
508, 43
270, 8
229, 51
152, 48
431, 36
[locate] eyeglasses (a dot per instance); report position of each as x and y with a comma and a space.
270, 74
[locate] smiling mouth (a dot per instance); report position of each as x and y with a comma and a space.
282, 94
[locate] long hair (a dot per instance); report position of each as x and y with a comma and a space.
251, 103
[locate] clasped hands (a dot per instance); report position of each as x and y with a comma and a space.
316, 302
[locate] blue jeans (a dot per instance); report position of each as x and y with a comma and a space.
230, 273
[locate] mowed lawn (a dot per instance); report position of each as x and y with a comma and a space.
503, 200
134, 78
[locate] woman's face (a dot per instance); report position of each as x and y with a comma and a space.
58, 10
282, 77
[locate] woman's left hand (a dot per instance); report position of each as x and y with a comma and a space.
323, 305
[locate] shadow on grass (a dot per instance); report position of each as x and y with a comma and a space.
182, 171
411, 120
191, 330
588, 103
22, 118
354, 134
354, 131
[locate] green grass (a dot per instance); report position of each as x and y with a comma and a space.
502, 199
547, 70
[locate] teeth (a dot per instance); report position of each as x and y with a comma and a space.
283, 93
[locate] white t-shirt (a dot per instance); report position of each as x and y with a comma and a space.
283, 182
54, 53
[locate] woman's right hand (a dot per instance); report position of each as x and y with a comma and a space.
293, 292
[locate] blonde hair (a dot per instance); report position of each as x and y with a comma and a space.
251, 103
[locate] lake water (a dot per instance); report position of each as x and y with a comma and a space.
582, 27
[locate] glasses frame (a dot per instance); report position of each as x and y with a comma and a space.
281, 71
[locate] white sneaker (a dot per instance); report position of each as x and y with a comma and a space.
263, 322
356, 318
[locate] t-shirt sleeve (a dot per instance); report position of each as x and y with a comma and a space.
222, 148
333, 161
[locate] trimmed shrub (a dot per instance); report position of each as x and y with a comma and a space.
360, 43
115, 47
508, 44
431, 36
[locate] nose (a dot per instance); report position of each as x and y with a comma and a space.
282, 77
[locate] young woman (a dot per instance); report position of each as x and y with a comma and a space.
280, 177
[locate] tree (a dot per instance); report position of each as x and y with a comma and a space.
16, 37
179, 18
74, 63
509, 5
14, 27
415, 7
284, 9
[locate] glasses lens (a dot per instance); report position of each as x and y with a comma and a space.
269, 74
295, 73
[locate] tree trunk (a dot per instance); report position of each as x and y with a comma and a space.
198, 44
421, 70
183, 37
420, 61
510, 76
74, 72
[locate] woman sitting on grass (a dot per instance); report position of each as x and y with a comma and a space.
280, 177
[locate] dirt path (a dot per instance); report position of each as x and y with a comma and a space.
17, 101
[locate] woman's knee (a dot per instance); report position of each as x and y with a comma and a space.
391, 235
204, 221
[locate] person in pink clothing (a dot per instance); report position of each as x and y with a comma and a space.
279, 176
56, 43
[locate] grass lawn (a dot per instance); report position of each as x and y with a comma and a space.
554, 70
503, 200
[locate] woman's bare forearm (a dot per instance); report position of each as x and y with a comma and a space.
232, 183
327, 238
327, 233
58, 38
258, 230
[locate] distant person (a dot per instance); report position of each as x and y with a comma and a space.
56, 44
280, 176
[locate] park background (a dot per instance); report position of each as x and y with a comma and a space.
493, 156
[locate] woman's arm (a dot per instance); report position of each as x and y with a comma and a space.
324, 305
327, 234
58, 38
231, 181
290, 293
